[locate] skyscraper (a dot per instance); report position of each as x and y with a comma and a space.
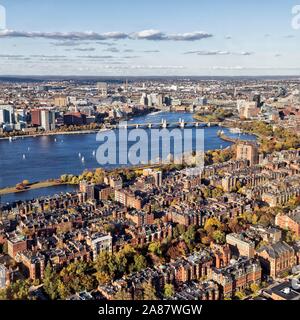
7, 114
48, 119
247, 150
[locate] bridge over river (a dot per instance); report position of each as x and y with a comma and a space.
181, 123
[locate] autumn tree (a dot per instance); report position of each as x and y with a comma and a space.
169, 290
51, 283
149, 291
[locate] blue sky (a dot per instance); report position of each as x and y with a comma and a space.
169, 37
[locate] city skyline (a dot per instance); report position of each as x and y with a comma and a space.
142, 39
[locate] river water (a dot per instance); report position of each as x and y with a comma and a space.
46, 157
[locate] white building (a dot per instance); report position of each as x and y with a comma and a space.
100, 243
48, 120
7, 114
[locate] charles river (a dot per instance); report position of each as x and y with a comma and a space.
46, 157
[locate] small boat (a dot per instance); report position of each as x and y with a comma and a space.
82, 159
79, 155
94, 153
24, 156
55, 140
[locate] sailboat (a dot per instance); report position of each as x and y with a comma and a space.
24, 157
94, 153
79, 155
82, 159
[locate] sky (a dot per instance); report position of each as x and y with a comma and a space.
143, 37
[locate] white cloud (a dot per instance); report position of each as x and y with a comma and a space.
149, 35
90, 35
218, 53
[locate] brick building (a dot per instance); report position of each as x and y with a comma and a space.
15, 245
238, 276
277, 258
289, 221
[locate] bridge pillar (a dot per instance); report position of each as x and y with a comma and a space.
181, 123
164, 123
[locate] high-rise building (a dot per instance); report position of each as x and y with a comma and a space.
48, 120
102, 88
36, 117
61, 101
157, 178
7, 114
144, 99
247, 150
257, 99
88, 189
20, 115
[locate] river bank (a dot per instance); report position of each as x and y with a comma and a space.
33, 186
55, 133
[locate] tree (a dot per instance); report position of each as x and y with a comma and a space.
76, 278
240, 295
140, 262
123, 295
105, 267
63, 290
51, 282
219, 237
206, 240
149, 291
16, 291
155, 248
169, 290
254, 288
178, 230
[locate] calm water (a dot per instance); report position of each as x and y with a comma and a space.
33, 194
42, 158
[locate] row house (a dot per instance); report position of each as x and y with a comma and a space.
278, 198
151, 233
290, 220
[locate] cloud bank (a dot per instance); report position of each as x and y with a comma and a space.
154, 35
